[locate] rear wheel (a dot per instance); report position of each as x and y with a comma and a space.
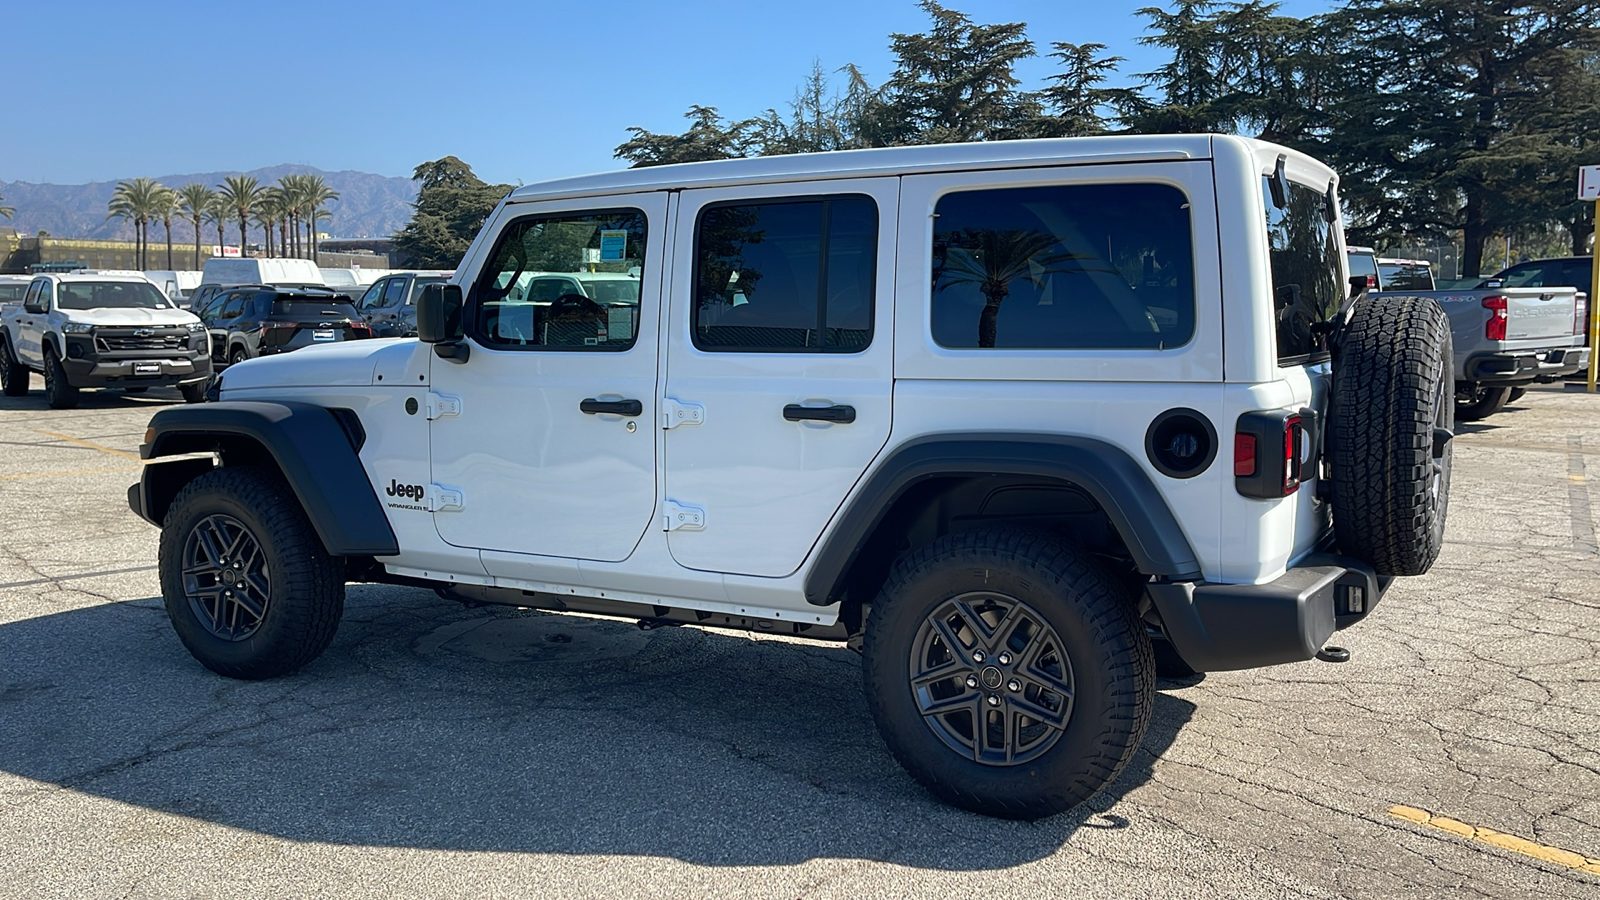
248, 586
193, 393
1480, 401
60, 393
237, 356
1008, 672
13, 375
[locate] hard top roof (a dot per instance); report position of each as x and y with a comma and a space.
100, 277
890, 161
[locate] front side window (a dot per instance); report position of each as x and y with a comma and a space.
1063, 267
111, 295
372, 299
1307, 288
394, 294
787, 276
530, 296
1538, 274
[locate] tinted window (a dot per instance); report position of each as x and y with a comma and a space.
1362, 263
790, 276
418, 284
111, 295
395, 293
370, 299
1063, 267
520, 301
233, 305
1306, 285
1406, 277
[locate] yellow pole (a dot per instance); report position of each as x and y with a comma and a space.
1594, 300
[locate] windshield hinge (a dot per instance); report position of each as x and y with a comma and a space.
674, 413
442, 405
682, 518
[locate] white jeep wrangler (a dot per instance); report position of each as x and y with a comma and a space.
1024, 422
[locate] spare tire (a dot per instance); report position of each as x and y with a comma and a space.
1389, 433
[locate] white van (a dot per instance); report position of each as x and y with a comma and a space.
298, 272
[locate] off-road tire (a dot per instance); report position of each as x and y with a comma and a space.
307, 585
57, 390
193, 393
13, 375
1393, 389
1481, 402
1112, 669
1517, 393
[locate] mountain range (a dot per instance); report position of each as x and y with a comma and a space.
369, 206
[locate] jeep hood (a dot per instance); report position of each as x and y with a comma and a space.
130, 317
330, 365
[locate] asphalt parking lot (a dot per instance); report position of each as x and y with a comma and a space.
436, 750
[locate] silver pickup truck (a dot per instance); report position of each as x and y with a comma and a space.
1506, 338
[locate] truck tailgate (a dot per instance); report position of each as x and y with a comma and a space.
1538, 312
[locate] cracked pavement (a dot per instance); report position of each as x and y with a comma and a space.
441, 751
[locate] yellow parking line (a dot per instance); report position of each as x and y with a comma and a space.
1579, 479
90, 444
1545, 852
68, 472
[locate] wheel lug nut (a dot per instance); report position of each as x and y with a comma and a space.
1013, 685
979, 656
993, 700
1005, 659
972, 681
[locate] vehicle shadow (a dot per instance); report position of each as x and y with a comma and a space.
431, 726
110, 398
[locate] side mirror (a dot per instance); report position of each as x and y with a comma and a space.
1359, 283
439, 321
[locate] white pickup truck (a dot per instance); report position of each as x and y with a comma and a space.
101, 331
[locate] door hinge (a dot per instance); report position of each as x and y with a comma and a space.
441, 405
674, 413
683, 518
441, 498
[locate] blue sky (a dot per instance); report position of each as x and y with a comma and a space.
522, 91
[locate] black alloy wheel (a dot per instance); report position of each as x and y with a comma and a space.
225, 578
991, 678
13, 375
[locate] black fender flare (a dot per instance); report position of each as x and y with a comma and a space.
1104, 471
315, 448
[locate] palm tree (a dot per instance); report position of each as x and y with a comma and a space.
164, 205
138, 200
240, 193
992, 259
217, 214
7, 211
317, 193
268, 210
296, 196
196, 198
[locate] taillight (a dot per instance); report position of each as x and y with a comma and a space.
275, 333
1244, 455
1580, 314
1372, 281
1495, 328
1271, 452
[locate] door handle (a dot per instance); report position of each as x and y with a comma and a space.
612, 407
838, 412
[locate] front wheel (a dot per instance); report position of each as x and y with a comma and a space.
248, 586
1007, 672
57, 390
193, 393
13, 375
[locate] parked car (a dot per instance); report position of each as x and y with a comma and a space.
262, 320
1363, 262
1405, 274
12, 287
1574, 272
100, 331
827, 423
389, 306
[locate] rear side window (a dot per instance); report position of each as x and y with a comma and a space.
1307, 289
1064, 267
788, 276
1364, 265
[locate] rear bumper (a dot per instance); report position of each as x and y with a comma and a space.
1216, 627
1524, 367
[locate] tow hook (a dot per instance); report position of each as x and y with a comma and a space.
1332, 654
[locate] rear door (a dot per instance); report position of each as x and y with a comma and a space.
779, 366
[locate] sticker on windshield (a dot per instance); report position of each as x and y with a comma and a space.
613, 245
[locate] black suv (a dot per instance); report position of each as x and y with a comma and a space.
246, 321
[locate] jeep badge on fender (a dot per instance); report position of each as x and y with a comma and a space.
408, 491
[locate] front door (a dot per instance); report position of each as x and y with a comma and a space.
779, 368
541, 440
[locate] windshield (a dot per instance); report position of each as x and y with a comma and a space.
110, 295
610, 292
419, 284
1362, 263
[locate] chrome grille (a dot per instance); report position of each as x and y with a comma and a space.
115, 339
